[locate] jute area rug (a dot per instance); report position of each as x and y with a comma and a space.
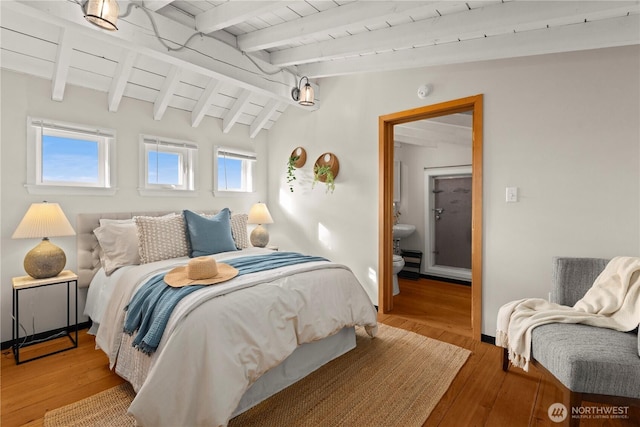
395, 379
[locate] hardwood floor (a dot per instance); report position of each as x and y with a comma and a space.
481, 394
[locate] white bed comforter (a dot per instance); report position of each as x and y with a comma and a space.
216, 346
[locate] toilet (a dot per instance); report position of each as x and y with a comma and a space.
398, 264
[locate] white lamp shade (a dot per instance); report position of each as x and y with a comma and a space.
43, 220
306, 95
259, 214
103, 13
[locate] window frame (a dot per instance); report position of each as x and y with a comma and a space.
248, 173
188, 152
106, 140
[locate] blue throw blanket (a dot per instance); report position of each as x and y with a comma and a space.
152, 305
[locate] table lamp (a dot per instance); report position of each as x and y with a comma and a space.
44, 220
259, 214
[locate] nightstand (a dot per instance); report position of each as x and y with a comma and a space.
24, 283
272, 247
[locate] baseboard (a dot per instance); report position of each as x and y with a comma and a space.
488, 339
41, 335
446, 279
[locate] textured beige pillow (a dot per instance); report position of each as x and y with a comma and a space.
239, 230
161, 237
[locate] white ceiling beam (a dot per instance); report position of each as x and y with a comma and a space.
61, 68
496, 18
613, 32
262, 118
206, 56
166, 92
233, 115
212, 89
155, 5
120, 79
233, 13
331, 20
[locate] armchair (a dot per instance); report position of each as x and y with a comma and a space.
591, 363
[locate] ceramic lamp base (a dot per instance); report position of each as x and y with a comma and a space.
45, 260
259, 237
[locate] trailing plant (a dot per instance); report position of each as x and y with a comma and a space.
291, 168
324, 171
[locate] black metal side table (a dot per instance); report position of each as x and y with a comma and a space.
23, 283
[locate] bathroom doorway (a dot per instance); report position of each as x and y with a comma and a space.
473, 105
448, 201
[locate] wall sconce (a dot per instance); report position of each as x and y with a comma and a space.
102, 13
304, 95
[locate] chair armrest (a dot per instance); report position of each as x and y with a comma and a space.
571, 278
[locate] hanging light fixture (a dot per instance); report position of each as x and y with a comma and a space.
304, 95
103, 13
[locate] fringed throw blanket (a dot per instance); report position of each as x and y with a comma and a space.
612, 302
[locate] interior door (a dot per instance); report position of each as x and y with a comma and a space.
452, 219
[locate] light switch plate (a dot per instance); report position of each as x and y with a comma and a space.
512, 194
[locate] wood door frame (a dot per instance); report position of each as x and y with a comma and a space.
385, 203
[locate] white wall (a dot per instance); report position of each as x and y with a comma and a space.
23, 96
564, 128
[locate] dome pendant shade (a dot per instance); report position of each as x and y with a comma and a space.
102, 13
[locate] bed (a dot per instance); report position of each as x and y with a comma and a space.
225, 347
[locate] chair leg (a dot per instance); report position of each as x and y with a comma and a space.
505, 359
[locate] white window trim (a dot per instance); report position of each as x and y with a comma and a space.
190, 156
107, 156
231, 193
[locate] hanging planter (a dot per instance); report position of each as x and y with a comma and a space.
297, 159
326, 170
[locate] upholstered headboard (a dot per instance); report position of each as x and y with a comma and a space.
89, 250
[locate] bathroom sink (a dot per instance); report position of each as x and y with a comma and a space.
400, 231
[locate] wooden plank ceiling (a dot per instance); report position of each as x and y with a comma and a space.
243, 57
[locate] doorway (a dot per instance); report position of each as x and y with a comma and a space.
386, 124
448, 202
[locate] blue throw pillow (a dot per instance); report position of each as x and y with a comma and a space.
209, 235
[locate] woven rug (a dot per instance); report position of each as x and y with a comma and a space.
395, 379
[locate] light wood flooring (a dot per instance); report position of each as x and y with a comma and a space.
481, 394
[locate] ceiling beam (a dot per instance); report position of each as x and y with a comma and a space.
155, 5
613, 32
61, 68
206, 56
330, 20
120, 79
233, 115
166, 92
499, 18
233, 13
212, 89
263, 117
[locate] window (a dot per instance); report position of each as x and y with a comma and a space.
234, 170
66, 158
166, 165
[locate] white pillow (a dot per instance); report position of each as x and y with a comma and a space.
161, 238
119, 242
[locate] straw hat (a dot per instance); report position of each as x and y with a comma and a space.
200, 271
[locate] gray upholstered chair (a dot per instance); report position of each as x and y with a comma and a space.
592, 364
